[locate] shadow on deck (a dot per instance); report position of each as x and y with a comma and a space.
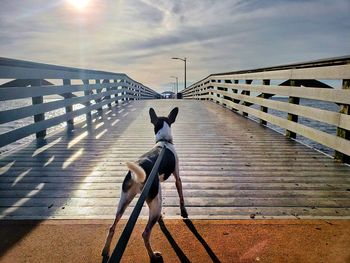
44, 178
231, 168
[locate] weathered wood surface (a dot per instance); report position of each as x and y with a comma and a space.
330, 72
332, 118
230, 167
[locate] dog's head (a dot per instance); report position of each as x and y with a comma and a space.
162, 124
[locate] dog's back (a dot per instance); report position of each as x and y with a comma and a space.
146, 162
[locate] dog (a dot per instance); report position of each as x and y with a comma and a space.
138, 174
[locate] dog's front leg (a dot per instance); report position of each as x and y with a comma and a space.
178, 184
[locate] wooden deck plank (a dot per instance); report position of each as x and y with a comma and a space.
222, 179
192, 185
93, 212
230, 166
213, 193
191, 202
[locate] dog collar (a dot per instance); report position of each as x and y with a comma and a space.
164, 140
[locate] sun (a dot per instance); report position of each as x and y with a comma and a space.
79, 4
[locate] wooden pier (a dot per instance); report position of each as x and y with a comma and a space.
230, 166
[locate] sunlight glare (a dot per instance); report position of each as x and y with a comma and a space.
21, 202
72, 158
45, 147
20, 177
77, 139
79, 4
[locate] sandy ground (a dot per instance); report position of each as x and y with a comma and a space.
180, 241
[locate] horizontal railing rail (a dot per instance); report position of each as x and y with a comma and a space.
242, 89
29, 80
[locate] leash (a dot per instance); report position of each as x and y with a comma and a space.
125, 236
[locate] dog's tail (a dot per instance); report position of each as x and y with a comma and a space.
138, 174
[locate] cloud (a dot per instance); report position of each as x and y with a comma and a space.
139, 37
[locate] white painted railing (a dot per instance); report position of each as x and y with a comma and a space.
30, 80
242, 89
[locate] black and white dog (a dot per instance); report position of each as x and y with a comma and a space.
138, 174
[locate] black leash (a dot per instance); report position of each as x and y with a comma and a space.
125, 236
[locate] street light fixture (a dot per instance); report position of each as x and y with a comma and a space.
177, 83
184, 60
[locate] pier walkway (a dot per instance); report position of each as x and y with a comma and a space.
231, 167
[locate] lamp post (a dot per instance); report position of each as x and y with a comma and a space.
177, 83
184, 60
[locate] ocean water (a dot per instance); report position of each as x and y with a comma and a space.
305, 121
7, 105
330, 129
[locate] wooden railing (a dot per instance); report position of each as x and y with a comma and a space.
241, 89
35, 80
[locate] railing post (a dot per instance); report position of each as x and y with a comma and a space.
133, 92
128, 91
41, 116
116, 88
87, 93
215, 88
107, 89
98, 90
343, 133
246, 92
236, 81
263, 95
215, 94
137, 90
211, 90
141, 93
124, 92
121, 88
68, 95
126, 88
292, 117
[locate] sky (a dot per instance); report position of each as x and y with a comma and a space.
139, 37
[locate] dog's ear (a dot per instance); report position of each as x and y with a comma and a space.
172, 115
153, 116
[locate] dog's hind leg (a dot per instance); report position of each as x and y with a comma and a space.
178, 184
155, 209
125, 199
